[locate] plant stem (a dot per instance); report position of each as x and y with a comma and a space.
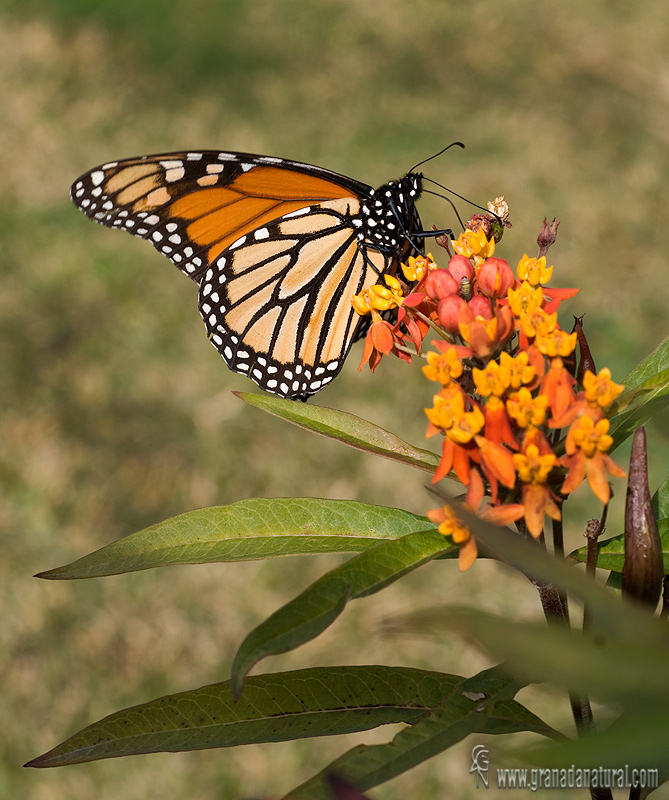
593, 530
556, 611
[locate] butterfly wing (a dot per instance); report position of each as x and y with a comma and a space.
274, 245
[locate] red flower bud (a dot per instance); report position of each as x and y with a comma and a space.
480, 307
447, 310
495, 278
460, 267
440, 283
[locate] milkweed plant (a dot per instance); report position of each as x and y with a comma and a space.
521, 417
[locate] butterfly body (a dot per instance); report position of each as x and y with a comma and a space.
278, 249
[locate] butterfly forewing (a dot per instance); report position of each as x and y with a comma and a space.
277, 247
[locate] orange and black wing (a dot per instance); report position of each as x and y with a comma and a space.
274, 245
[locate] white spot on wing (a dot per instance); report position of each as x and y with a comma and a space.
175, 174
300, 212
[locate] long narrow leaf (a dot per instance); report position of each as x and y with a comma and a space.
247, 530
625, 670
347, 428
303, 618
290, 705
459, 715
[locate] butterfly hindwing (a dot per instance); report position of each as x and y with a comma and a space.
277, 247
277, 305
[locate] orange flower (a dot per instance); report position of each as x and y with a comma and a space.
533, 470
459, 426
586, 446
558, 386
447, 410
484, 335
380, 341
497, 423
449, 524
497, 463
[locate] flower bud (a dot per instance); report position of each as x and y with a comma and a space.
481, 307
447, 310
643, 570
495, 278
440, 283
460, 267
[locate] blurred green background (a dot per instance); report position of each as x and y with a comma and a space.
117, 412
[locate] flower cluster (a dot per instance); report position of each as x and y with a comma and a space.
517, 430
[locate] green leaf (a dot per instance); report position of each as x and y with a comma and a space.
249, 529
288, 705
646, 394
635, 739
461, 713
611, 552
510, 716
661, 501
305, 617
346, 428
627, 670
651, 366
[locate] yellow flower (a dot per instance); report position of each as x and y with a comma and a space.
417, 267
518, 369
534, 270
449, 523
589, 436
443, 367
378, 297
599, 389
586, 446
538, 323
533, 468
492, 380
448, 415
474, 244
525, 409
557, 343
525, 299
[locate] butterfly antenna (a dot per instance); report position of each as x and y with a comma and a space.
425, 160
449, 201
466, 200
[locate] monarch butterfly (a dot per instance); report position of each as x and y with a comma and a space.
278, 249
